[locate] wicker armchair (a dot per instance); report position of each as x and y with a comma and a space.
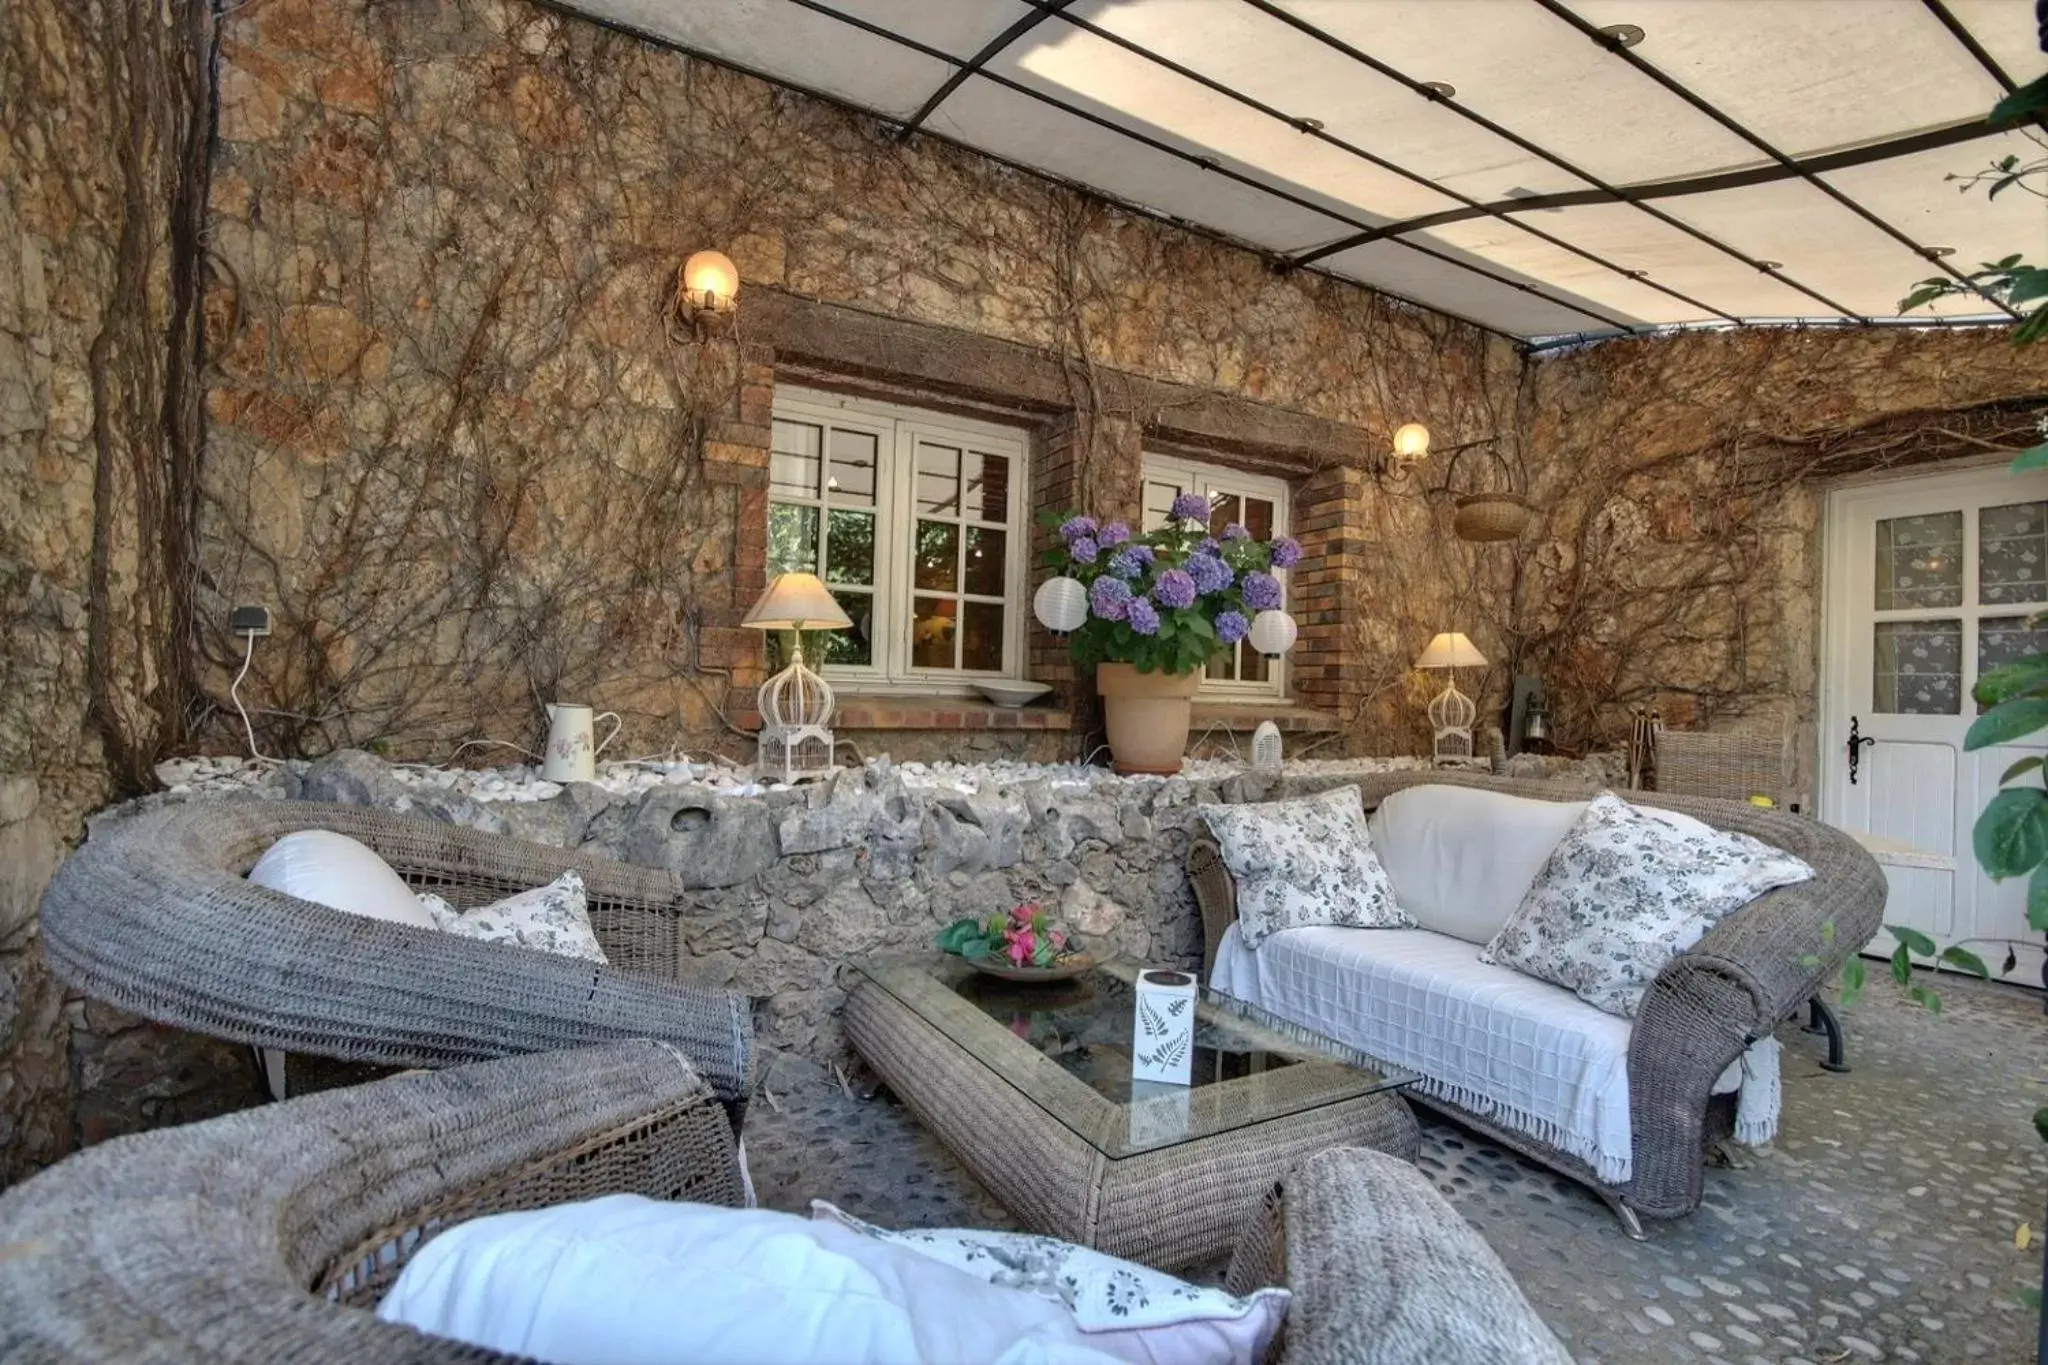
155, 914
1749, 974
269, 1235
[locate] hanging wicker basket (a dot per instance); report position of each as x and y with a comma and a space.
1491, 516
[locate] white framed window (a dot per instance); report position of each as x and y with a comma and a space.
917, 522
1259, 504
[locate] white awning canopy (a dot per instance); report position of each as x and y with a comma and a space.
1540, 167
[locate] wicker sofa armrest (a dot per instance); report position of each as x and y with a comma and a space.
267, 1235
155, 915
1215, 895
1384, 1272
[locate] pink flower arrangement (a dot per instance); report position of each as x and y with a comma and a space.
1027, 937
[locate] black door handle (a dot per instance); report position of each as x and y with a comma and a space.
1856, 742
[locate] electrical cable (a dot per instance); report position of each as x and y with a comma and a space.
235, 693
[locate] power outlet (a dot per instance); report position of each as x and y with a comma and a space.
249, 621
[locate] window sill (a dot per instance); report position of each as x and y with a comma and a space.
1218, 714
944, 713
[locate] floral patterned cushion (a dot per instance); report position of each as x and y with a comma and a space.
1625, 892
1178, 1321
553, 919
1303, 862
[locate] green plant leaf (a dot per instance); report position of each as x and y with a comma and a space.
2007, 721
2011, 836
1967, 960
1914, 939
2033, 329
2033, 457
2041, 1123
2028, 284
1810, 960
2037, 900
1926, 999
1852, 980
2020, 769
2030, 98
975, 949
1827, 931
1902, 965
2013, 679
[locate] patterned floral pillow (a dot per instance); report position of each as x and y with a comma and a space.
552, 919
1624, 893
1303, 862
1178, 1321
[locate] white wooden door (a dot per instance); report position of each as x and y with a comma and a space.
1930, 583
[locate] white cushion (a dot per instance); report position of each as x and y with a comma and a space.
1626, 891
1302, 862
1462, 858
551, 919
1133, 1311
625, 1280
334, 870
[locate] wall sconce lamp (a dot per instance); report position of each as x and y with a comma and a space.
1411, 446
708, 291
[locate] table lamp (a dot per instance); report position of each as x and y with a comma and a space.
1452, 713
796, 704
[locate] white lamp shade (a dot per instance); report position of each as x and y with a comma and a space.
796, 601
1451, 650
1273, 633
1061, 604
1411, 442
711, 279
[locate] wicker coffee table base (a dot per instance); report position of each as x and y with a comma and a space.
1172, 1208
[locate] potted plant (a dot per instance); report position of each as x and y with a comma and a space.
1146, 612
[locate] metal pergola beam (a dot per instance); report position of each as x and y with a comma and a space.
1042, 10
1310, 128
1613, 193
1216, 167
1705, 106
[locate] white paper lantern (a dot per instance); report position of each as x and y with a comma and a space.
1273, 633
1061, 605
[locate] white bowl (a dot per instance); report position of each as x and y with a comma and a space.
1012, 691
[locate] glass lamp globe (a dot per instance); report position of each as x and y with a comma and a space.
1061, 605
1272, 633
1411, 442
711, 281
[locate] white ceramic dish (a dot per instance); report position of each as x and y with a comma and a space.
1012, 691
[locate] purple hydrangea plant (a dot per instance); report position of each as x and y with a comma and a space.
1083, 549
1261, 591
1109, 598
1190, 507
1141, 617
1074, 528
1175, 588
1286, 552
1210, 573
1113, 533
1236, 531
1232, 627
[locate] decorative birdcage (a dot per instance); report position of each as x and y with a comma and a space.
795, 743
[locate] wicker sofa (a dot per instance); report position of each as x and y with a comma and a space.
155, 914
268, 1235
1748, 974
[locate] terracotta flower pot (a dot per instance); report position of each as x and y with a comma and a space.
1147, 715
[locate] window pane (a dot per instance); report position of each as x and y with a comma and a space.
1224, 509
987, 556
793, 463
988, 486
981, 636
1258, 518
936, 564
1917, 667
2002, 640
850, 548
931, 632
855, 646
1256, 667
851, 478
1222, 668
938, 480
2012, 553
1920, 561
1159, 502
792, 539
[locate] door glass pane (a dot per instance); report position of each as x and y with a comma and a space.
1258, 518
1256, 666
1226, 508
850, 548
2012, 553
938, 480
793, 462
988, 486
2003, 640
981, 636
937, 561
851, 478
855, 646
986, 551
931, 632
1917, 667
792, 539
1920, 561
1159, 502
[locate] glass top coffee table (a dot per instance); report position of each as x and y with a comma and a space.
1030, 1086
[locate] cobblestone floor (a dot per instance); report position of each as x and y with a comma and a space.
1880, 1225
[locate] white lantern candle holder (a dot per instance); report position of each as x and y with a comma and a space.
1163, 1032
1273, 633
1061, 605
